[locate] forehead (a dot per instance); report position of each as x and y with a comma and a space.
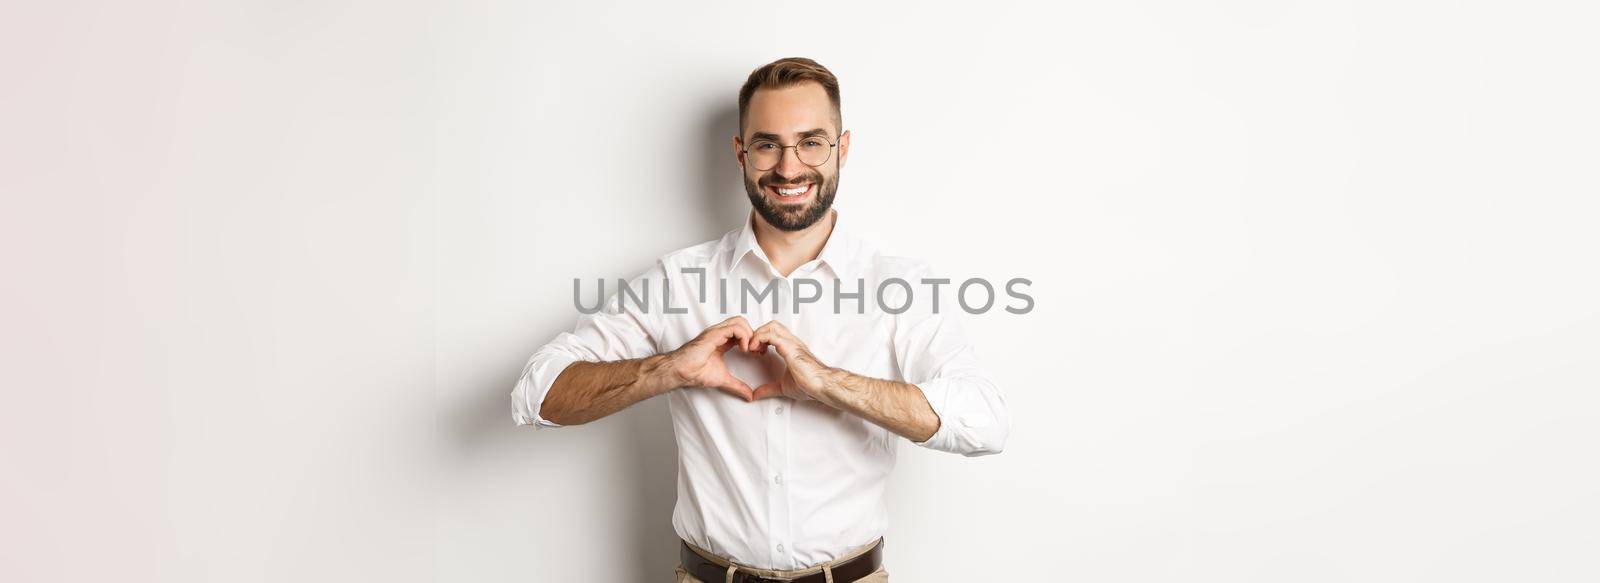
789, 110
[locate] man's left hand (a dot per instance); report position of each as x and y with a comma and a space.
806, 378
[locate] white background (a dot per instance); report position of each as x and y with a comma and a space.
1315, 281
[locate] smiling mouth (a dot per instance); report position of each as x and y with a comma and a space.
793, 193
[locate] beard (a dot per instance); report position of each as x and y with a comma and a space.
790, 217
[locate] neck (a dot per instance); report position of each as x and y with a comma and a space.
788, 250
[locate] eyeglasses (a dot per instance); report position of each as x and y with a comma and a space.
812, 151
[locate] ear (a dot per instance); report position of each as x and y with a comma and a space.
844, 147
738, 151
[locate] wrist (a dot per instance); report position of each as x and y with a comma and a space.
658, 375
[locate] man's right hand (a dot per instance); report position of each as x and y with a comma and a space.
699, 362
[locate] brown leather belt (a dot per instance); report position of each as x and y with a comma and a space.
846, 572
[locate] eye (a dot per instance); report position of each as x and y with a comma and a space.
764, 146
813, 143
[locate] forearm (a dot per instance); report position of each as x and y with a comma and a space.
587, 391
898, 407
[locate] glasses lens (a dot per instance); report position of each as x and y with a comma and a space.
813, 151
764, 154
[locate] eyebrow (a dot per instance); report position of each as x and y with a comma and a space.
774, 137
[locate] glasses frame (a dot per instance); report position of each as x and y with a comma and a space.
832, 145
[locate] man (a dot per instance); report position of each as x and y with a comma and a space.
786, 411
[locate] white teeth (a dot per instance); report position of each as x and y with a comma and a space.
793, 191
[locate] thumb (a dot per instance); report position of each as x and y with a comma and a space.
770, 390
732, 385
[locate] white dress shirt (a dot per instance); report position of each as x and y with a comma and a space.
779, 483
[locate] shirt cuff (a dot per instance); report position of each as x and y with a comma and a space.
958, 430
537, 378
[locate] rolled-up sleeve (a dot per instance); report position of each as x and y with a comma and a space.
935, 356
620, 330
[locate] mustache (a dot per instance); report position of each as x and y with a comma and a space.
773, 181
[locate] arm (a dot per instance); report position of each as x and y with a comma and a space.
898, 407
596, 351
587, 391
949, 405
609, 361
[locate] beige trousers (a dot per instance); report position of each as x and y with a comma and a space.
878, 576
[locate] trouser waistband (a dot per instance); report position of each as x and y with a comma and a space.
853, 564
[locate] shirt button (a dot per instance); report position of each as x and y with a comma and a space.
778, 478
780, 547
779, 411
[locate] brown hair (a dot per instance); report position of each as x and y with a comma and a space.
785, 73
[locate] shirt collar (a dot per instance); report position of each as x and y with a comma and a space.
837, 253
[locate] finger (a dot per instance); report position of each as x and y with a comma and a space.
735, 327
716, 334
737, 388
775, 340
759, 342
775, 334
770, 390
742, 326
738, 322
728, 344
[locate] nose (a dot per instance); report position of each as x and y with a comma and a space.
789, 164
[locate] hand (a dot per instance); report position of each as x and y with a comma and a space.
805, 377
699, 362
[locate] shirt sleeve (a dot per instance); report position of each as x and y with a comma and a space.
620, 330
935, 356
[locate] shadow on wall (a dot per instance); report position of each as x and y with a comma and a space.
720, 186
649, 461
651, 443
